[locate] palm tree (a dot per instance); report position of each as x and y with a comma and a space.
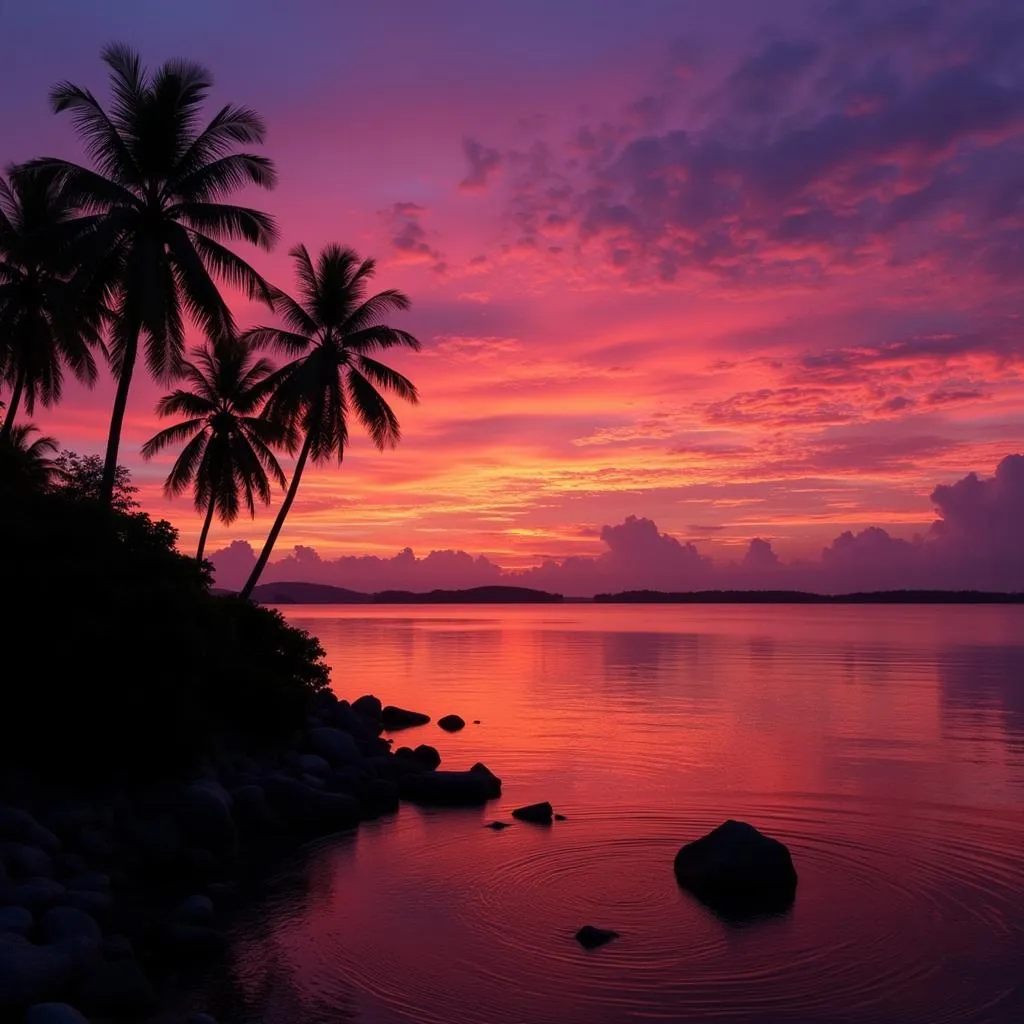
227, 457
29, 462
46, 319
155, 188
333, 333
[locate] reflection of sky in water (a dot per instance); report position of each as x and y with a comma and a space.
884, 745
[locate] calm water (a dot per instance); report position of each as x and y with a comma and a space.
885, 746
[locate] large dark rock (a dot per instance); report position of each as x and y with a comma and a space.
427, 756
465, 789
392, 718
369, 707
16, 919
19, 826
195, 909
37, 894
54, 1013
24, 860
537, 814
590, 937
312, 811
737, 870
29, 973
204, 815
252, 812
73, 932
451, 723
376, 797
336, 747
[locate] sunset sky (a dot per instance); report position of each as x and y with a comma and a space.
750, 268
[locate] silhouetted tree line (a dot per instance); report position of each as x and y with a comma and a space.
112, 258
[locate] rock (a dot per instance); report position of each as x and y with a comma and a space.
538, 814
31, 974
406, 752
497, 826
73, 931
427, 756
25, 861
155, 840
735, 869
376, 797
393, 718
451, 723
37, 894
204, 815
252, 811
483, 769
590, 937
314, 764
368, 706
311, 810
195, 909
19, 826
193, 941
561, 817
118, 947
393, 767
95, 904
54, 1013
465, 789
117, 988
16, 919
92, 843
334, 746
69, 865
201, 1018
94, 881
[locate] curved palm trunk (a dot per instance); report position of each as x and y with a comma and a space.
261, 562
12, 408
124, 382
206, 530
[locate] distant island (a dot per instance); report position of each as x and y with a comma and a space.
804, 597
297, 592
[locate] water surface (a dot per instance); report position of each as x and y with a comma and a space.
884, 745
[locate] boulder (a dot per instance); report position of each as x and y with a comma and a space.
252, 812
25, 861
312, 811
195, 909
96, 904
590, 937
391, 766
336, 747
118, 947
376, 797
735, 869
94, 881
155, 840
451, 723
73, 931
19, 826
497, 826
483, 769
368, 706
117, 988
54, 1013
201, 1018
465, 789
31, 974
537, 814
204, 815
91, 842
37, 894
427, 756
392, 718
314, 764
16, 919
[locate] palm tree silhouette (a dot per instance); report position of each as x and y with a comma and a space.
333, 334
29, 462
155, 192
227, 458
46, 319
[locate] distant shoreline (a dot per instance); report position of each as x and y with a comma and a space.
297, 592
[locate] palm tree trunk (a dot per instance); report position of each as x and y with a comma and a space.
261, 562
12, 408
206, 530
124, 382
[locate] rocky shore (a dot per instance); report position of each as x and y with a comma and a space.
105, 892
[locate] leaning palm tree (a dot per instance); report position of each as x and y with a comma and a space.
47, 320
333, 334
227, 457
156, 187
29, 462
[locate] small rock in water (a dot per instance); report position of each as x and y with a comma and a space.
538, 814
590, 937
400, 718
476, 721
497, 826
561, 817
452, 723
427, 756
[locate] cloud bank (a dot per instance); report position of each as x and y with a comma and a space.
976, 543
